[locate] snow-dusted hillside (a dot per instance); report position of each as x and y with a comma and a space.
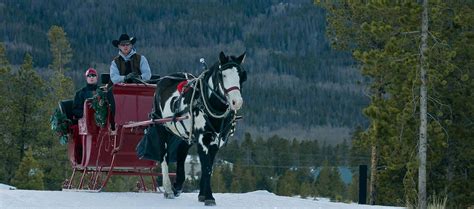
10, 199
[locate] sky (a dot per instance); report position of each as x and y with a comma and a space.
16, 199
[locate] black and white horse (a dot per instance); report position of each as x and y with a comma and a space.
210, 103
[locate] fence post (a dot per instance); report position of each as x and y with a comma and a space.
362, 184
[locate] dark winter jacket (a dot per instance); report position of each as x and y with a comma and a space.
86, 92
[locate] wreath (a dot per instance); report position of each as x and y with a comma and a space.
60, 125
100, 106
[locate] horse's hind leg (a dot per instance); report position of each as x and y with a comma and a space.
180, 172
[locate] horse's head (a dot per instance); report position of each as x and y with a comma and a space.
231, 75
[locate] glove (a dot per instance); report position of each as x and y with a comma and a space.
130, 77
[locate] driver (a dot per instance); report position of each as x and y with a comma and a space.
128, 65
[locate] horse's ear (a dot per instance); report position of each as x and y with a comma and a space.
222, 58
241, 58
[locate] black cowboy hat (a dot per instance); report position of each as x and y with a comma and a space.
124, 38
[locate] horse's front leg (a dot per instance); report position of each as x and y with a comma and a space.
168, 193
206, 157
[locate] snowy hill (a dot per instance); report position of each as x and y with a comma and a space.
10, 199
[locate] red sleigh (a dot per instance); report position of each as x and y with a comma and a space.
97, 153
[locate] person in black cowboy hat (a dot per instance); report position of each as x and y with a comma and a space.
128, 65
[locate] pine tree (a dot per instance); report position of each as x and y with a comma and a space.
353, 189
323, 181
306, 189
304, 178
287, 184
339, 188
54, 162
248, 182
217, 179
62, 53
237, 178
7, 149
29, 174
60, 49
27, 107
329, 183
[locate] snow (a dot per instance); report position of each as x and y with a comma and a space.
7, 187
13, 199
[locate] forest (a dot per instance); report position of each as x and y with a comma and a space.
330, 84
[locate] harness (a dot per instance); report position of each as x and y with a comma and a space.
228, 117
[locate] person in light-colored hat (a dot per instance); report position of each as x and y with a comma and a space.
128, 66
85, 92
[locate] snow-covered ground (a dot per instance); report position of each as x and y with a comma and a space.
10, 199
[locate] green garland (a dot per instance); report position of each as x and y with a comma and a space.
100, 106
60, 125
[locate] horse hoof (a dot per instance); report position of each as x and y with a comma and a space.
177, 192
201, 198
169, 195
209, 202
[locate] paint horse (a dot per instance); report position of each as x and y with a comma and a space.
210, 103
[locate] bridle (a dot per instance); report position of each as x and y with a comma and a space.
226, 66
216, 77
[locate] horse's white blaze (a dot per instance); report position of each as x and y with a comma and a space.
230, 78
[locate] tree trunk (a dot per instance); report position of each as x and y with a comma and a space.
374, 155
373, 174
423, 110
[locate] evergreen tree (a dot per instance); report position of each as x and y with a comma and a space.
248, 182
338, 186
62, 53
287, 184
217, 180
27, 107
237, 176
7, 149
323, 181
304, 178
306, 189
227, 177
29, 174
60, 49
55, 162
353, 189
329, 183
